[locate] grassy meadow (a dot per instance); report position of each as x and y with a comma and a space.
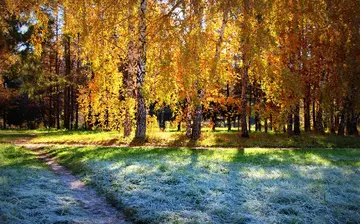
241, 182
174, 185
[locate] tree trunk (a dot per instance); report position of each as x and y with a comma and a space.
341, 129
271, 122
188, 118
314, 116
337, 121
332, 119
289, 129
245, 74
256, 121
50, 102
228, 115
72, 107
319, 120
244, 79
307, 125
57, 107
297, 120
77, 117
4, 118
57, 71
213, 118
251, 91
349, 130
228, 123
354, 124
76, 82
130, 73
140, 132
67, 88
196, 128
266, 125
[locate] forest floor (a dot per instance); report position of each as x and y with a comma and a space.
185, 185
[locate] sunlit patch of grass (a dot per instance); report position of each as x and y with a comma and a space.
223, 186
79, 137
173, 138
10, 136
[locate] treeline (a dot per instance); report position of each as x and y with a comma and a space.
287, 66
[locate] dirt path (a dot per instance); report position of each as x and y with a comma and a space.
85, 195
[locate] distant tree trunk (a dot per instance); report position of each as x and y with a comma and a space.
57, 72
244, 79
67, 88
76, 81
319, 120
238, 120
332, 119
307, 109
245, 72
228, 115
196, 128
72, 107
297, 120
4, 118
337, 120
141, 108
349, 129
271, 122
50, 93
188, 118
314, 116
179, 126
251, 91
354, 119
228, 123
50, 107
341, 129
57, 107
77, 116
88, 118
266, 124
256, 121
213, 118
259, 123
289, 129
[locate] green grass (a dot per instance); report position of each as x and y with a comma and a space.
154, 185
10, 136
178, 139
31, 193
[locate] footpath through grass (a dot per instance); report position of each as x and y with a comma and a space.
222, 186
31, 193
178, 139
